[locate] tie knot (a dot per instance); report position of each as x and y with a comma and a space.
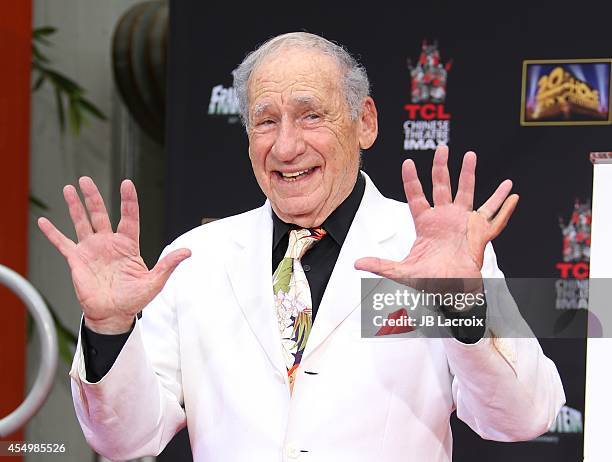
300, 240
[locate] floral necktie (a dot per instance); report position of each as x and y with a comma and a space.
292, 298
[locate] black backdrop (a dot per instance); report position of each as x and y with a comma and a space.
210, 175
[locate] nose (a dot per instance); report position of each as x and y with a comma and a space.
289, 141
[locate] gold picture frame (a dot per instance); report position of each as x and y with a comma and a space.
528, 62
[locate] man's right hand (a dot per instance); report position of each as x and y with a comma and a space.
111, 280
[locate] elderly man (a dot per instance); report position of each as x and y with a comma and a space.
254, 340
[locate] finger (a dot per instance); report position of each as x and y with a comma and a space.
441, 178
413, 189
130, 221
164, 268
467, 181
379, 266
492, 205
64, 245
95, 206
79, 217
501, 219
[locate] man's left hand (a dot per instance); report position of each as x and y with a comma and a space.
450, 236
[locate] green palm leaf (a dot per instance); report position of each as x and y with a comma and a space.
64, 87
60, 109
282, 275
42, 31
302, 325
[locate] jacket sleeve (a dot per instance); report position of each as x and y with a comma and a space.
137, 407
100, 351
504, 387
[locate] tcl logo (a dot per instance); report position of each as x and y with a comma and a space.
578, 270
427, 111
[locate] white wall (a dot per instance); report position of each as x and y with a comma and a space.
598, 401
81, 50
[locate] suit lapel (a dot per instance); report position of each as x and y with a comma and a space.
373, 224
249, 268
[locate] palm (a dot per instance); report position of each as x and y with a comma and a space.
441, 237
111, 281
108, 274
450, 236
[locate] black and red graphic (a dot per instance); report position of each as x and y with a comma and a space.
428, 122
573, 285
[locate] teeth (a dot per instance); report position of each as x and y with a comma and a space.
294, 174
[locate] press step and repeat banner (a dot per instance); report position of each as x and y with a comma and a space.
527, 88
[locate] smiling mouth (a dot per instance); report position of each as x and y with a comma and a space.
295, 176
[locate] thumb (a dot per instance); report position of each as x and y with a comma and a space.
164, 268
379, 266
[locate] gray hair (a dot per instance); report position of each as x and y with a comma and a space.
356, 83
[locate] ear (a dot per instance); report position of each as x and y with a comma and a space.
250, 153
368, 124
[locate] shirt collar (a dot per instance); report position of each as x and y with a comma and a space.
337, 224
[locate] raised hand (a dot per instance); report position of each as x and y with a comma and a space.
450, 236
111, 280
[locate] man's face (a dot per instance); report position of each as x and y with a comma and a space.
303, 145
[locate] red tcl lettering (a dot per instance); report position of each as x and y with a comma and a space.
427, 111
576, 270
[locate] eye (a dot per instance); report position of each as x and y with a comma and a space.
312, 116
265, 122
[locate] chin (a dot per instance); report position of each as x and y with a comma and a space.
301, 214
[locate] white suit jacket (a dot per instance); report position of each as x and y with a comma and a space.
207, 353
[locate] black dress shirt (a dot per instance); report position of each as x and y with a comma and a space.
100, 351
319, 261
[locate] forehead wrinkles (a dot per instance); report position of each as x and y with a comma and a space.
289, 75
299, 100
298, 90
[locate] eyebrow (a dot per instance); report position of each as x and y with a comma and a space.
260, 108
304, 100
